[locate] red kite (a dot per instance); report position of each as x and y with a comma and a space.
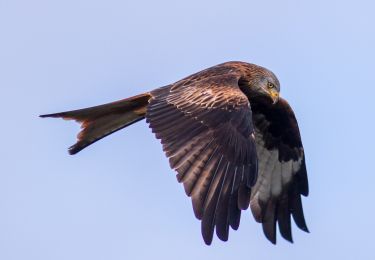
232, 140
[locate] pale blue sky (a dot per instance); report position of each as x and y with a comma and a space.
118, 199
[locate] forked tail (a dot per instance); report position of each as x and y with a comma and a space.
99, 121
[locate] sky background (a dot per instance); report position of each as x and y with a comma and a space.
118, 199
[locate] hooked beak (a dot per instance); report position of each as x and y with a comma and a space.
274, 96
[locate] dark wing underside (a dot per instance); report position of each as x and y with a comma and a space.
205, 126
282, 177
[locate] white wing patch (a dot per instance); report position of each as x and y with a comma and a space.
273, 175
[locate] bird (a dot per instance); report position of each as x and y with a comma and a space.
233, 141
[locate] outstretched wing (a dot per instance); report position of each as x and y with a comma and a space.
282, 172
205, 126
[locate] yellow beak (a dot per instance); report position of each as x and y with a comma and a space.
274, 95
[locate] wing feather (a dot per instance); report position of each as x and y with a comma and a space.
206, 130
282, 171
222, 212
283, 217
234, 210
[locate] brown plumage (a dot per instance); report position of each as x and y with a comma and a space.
232, 141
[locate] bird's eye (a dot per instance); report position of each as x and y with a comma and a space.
270, 85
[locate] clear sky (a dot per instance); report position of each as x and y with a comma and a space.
118, 199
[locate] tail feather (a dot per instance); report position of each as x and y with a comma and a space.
99, 121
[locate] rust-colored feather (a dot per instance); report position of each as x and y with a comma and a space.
100, 121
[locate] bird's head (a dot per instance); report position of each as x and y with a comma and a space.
262, 83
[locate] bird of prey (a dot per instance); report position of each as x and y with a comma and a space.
232, 140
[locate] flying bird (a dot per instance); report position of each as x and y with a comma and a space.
233, 141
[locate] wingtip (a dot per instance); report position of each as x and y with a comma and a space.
207, 241
74, 149
222, 235
62, 115
270, 234
45, 115
287, 236
306, 229
207, 234
289, 239
235, 226
272, 240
